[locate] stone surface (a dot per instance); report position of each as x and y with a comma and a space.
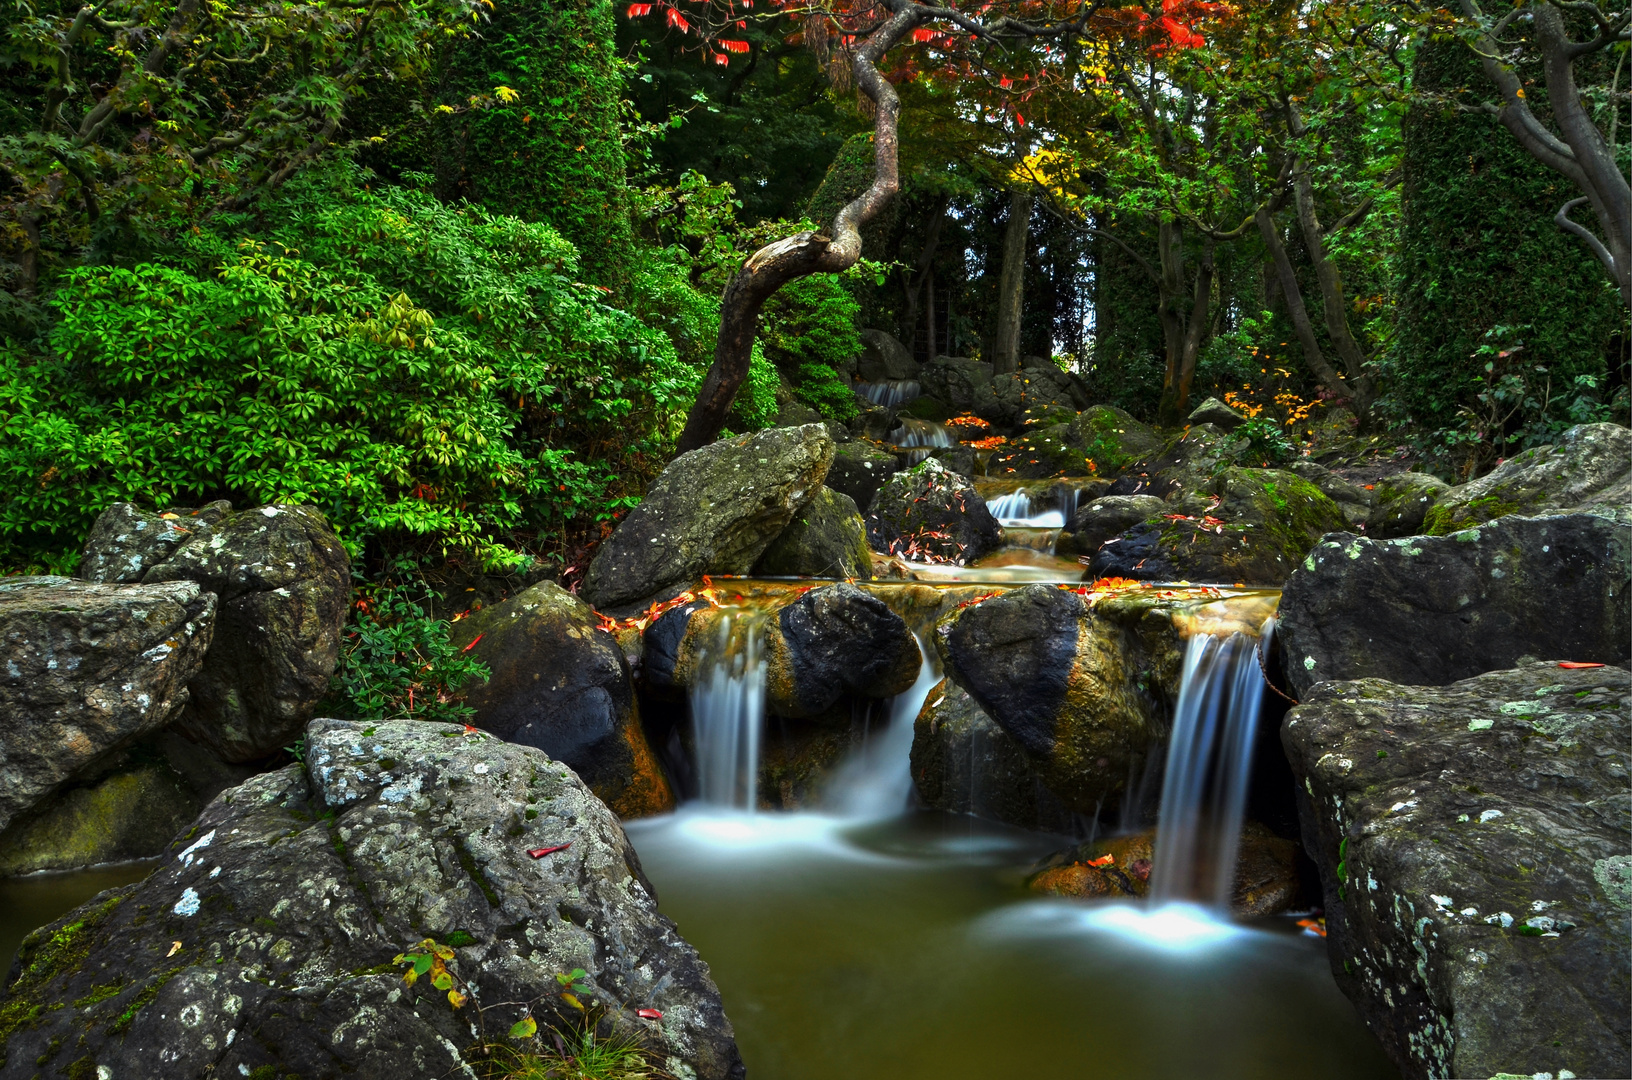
1589, 468
1003, 400
837, 640
954, 380
561, 685
283, 582
1215, 412
1109, 516
89, 668
1254, 530
1039, 453
1473, 846
825, 539
934, 512
292, 894
859, 469
1401, 502
883, 358
128, 813
1113, 439
1352, 499
712, 511
1431, 610
127, 541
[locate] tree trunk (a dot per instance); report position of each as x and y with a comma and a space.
1012, 282
915, 284
782, 261
1183, 333
1360, 387
1293, 295
929, 315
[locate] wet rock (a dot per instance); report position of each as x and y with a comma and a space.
798, 757
671, 645
1063, 684
559, 684
283, 582
1004, 399
964, 763
1431, 610
1401, 502
712, 511
837, 640
1113, 439
859, 469
1586, 470
1260, 523
126, 813
1472, 844
126, 541
873, 422
293, 892
930, 510
884, 358
89, 668
826, 538
954, 380
1215, 412
1109, 516
960, 459
928, 408
1352, 499
1044, 452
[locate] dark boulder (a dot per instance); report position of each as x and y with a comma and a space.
1112, 439
292, 894
1109, 516
1039, 453
126, 541
860, 469
712, 511
1431, 610
90, 668
934, 512
825, 539
1215, 412
1003, 400
283, 583
833, 641
883, 358
1352, 499
1472, 842
1401, 502
954, 380
561, 685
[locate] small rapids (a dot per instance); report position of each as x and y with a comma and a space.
891, 393
876, 779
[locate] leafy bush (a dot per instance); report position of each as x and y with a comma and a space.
396, 664
1266, 440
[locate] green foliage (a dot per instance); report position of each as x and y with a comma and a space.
809, 330
396, 664
754, 407
1266, 440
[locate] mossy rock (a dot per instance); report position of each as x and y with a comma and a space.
927, 408
1041, 453
129, 814
825, 539
1585, 470
1401, 502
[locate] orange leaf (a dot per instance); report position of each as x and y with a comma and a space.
1575, 665
1103, 860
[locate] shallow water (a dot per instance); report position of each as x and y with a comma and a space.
907, 950
28, 903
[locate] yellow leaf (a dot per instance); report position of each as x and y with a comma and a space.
573, 1001
455, 998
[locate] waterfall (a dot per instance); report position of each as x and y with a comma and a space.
891, 393
1209, 764
728, 716
876, 779
914, 432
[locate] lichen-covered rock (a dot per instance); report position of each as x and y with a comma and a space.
1352, 499
283, 582
1215, 412
884, 358
1004, 399
126, 541
930, 511
560, 684
1589, 469
954, 380
964, 763
1109, 516
1261, 524
1473, 842
833, 641
825, 539
712, 511
89, 668
859, 469
1431, 610
1401, 502
293, 892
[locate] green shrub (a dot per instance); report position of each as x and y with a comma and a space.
396, 664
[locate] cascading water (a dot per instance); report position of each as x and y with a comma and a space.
915, 432
891, 393
1209, 764
728, 716
876, 779
1017, 509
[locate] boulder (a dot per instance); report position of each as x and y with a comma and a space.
1063, 684
1003, 400
963, 460
954, 380
128, 812
1215, 412
792, 413
859, 469
932, 512
1187, 463
1587, 470
294, 892
964, 763
1109, 516
1432, 610
1472, 844
825, 539
126, 541
833, 641
561, 685
1113, 439
1352, 499
874, 422
89, 668
1039, 453
884, 358
1258, 527
283, 583
712, 511
1400, 502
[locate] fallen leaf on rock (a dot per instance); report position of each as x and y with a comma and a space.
540, 852
1103, 860
175, 947
1574, 665
649, 1014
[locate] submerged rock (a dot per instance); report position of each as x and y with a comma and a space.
932, 511
825, 539
833, 641
90, 668
1401, 502
266, 945
1431, 610
1587, 470
1472, 844
712, 511
561, 685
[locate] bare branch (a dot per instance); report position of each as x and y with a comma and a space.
1562, 220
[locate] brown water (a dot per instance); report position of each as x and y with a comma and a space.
27, 903
907, 950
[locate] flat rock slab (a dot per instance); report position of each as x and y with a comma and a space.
1473, 846
266, 942
1430, 610
88, 668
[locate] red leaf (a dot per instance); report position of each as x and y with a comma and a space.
649, 1014
473, 641
637, 10
471, 730
1574, 665
540, 852
734, 46
922, 34
677, 20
